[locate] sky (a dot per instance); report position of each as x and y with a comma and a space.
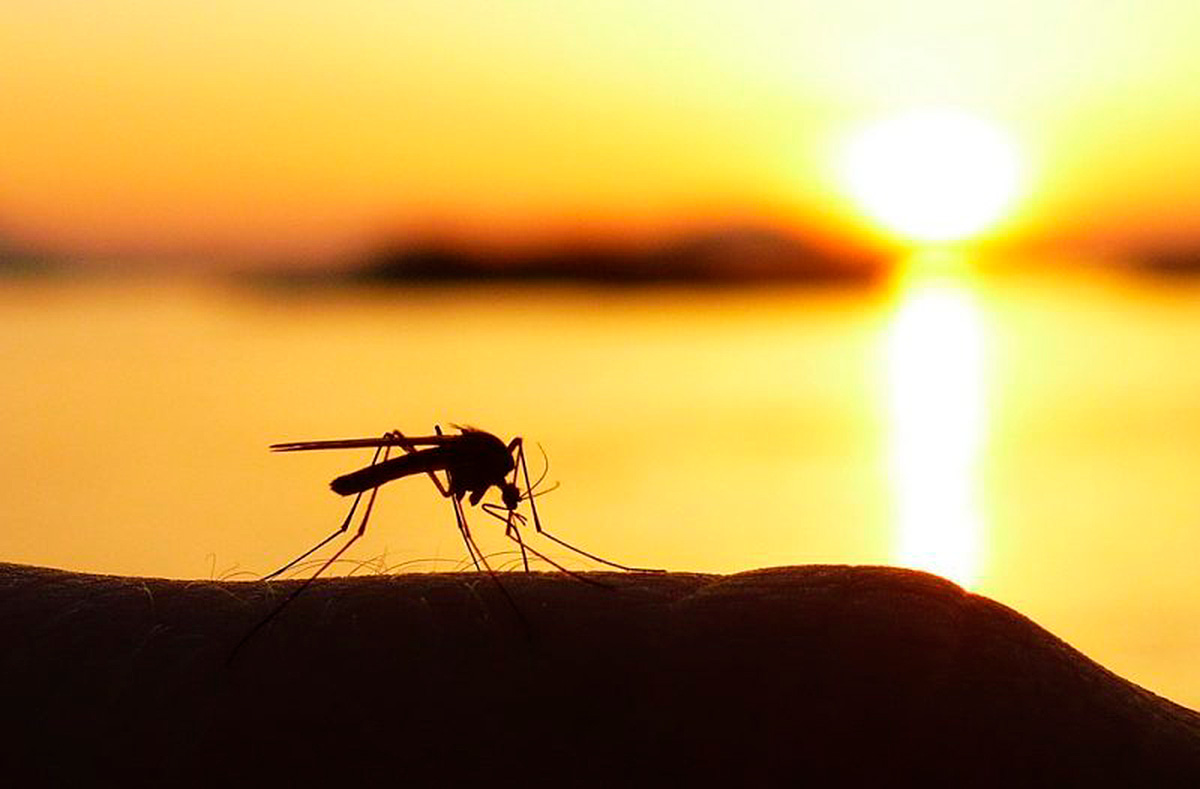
301, 129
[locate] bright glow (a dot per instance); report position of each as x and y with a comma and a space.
288, 129
932, 175
937, 416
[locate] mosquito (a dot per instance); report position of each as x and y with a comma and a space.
473, 461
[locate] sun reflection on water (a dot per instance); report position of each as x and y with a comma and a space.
938, 422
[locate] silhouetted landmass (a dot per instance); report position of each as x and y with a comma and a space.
1169, 262
18, 260
801, 676
720, 257
713, 258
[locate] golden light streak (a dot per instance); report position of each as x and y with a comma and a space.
937, 412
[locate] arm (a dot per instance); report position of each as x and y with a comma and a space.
834, 675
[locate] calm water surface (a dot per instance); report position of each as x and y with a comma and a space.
1035, 438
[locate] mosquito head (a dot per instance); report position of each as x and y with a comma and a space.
510, 494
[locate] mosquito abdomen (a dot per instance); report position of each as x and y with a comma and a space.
375, 475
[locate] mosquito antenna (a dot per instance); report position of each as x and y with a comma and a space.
545, 467
550, 489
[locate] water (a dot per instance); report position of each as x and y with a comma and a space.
1033, 436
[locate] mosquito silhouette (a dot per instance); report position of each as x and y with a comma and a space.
473, 461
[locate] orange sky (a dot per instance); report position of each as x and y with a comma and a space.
270, 128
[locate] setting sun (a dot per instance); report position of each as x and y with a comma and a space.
932, 175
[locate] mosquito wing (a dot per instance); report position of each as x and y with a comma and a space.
356, 443
372, 476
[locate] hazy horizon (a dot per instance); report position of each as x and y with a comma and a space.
253, 131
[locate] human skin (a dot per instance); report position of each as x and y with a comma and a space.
821, 675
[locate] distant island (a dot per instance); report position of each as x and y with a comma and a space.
20, 260
714, 257
1168, 262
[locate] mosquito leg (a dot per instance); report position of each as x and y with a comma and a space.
460, 517
340, 530
470, 538
548, 560
537, 524
400, 438
461, 520
511, 531
474, 550
362, 527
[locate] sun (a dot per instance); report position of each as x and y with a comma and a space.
932, 175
